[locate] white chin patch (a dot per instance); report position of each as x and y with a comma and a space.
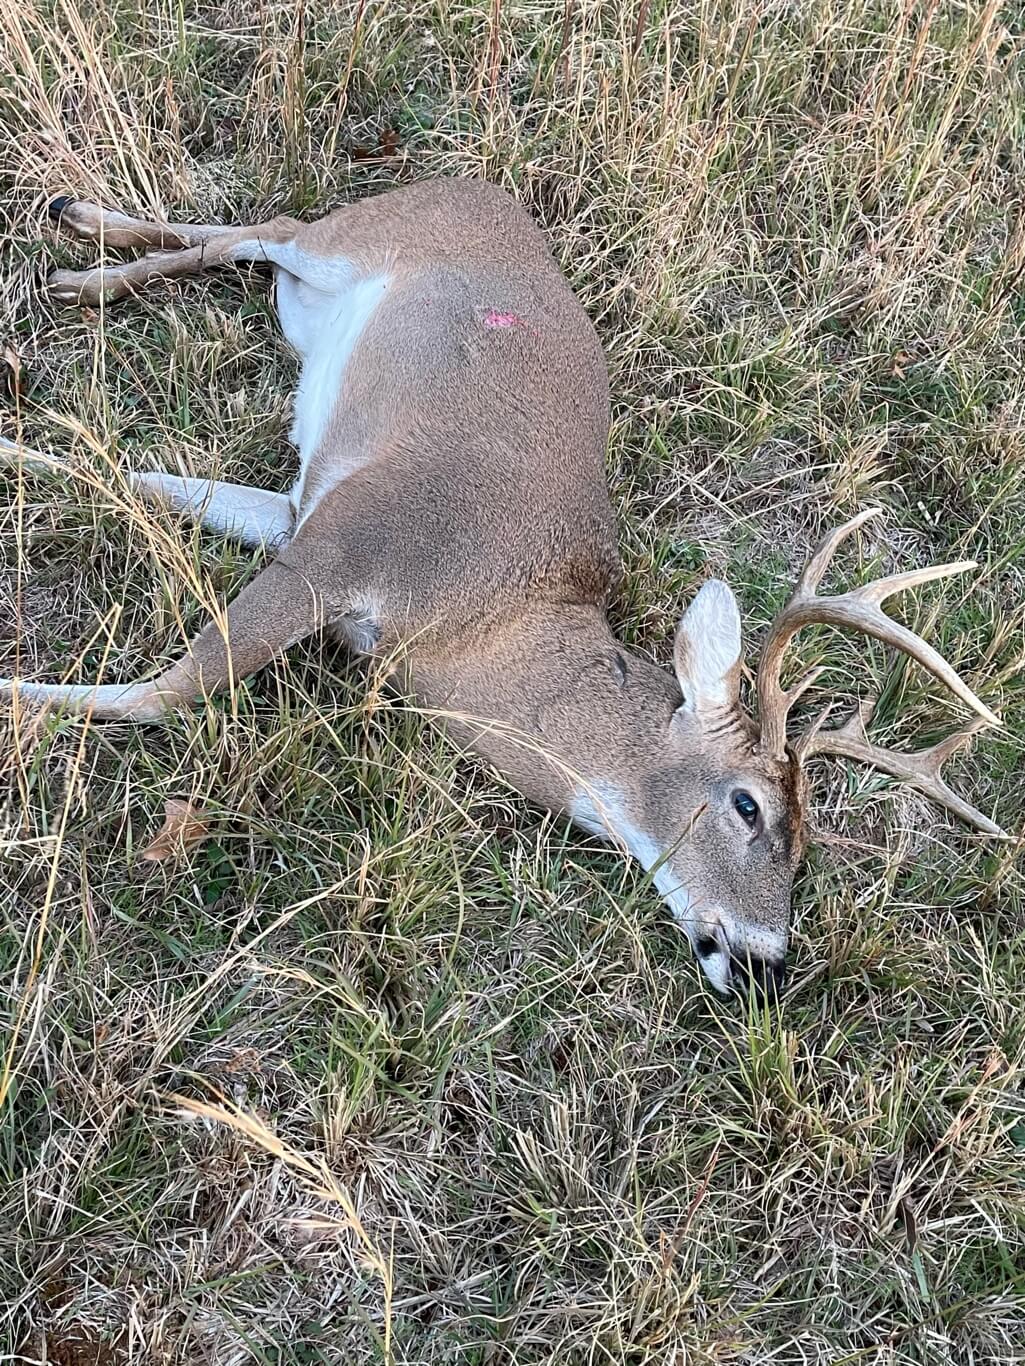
605, 817
717, 969
715, 966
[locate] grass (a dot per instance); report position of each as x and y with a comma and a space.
393, 1068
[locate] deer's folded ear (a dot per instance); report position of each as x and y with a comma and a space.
708, 647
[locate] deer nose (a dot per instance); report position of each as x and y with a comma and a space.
761, 978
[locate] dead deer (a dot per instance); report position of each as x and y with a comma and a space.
451, 515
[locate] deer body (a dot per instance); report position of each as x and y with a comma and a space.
451, 517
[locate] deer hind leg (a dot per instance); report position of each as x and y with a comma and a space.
256, 517
182, 249
120, 230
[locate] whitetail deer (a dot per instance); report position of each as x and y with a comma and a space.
451, 512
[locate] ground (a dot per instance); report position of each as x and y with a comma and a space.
393, 1068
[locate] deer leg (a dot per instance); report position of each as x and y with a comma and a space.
120, 230
278, 608
114, 282
14, 456
212, 247
254, 516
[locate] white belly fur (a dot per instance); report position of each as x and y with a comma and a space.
323, 324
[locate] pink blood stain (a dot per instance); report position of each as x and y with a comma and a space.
492, 318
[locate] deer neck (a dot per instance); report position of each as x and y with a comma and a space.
555, 702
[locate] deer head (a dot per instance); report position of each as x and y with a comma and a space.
717, 814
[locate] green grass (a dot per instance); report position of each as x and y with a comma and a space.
471, 1101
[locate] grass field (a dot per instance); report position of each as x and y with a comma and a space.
393, 1068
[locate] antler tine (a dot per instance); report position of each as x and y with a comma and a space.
827, 548
861, 609
806, 745
793, 695
920, 770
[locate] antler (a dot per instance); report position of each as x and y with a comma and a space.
861, 608
920, 770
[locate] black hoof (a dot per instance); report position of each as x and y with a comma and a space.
57, 206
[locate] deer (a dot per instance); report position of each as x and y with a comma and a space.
451, 519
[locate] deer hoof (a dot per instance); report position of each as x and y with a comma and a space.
56, 207
64, 287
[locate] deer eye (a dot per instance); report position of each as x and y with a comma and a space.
746, 808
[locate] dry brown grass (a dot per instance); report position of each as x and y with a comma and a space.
395, 1069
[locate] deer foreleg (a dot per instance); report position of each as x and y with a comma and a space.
277, 609
255, 516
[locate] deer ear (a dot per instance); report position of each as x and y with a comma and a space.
707, 650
